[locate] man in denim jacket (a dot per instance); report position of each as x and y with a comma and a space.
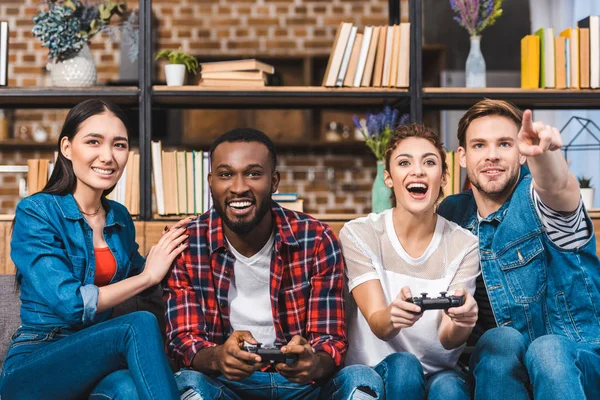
539, 292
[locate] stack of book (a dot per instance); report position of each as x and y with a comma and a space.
377, 57
127, 189
569, 60
180, 180
246, 73
289, 201
38, 173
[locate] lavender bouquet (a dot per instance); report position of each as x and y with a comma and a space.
476, 15
378, 129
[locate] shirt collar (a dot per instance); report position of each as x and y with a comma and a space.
70, 210
283, 229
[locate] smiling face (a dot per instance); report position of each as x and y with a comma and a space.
241, 183
415, 174
98, 152
491, 156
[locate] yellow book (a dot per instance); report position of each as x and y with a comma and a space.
530, 62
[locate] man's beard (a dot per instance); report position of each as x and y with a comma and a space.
498, 192
243, 228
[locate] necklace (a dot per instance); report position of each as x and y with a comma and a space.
89, 214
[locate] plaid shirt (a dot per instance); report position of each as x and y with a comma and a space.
306, 287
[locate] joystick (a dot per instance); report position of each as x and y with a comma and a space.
272, 354
439, 303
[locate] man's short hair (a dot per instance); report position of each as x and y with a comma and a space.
484, 108
247, 135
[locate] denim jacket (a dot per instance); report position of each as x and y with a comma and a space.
533, 285
53, 251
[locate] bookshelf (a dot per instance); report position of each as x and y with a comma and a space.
418, 99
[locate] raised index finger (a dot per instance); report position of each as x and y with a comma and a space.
527, 124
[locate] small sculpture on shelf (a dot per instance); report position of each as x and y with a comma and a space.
178, 62
65, 27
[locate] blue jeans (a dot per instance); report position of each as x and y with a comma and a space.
122, 358
344, 385
403, 377
551, 367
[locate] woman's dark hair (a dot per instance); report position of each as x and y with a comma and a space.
63, 180
415, 131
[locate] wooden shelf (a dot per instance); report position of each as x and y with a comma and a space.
276, 97
59, 97
462, 98
18, 144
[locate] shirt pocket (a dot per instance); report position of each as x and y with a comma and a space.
524, 268
78, 264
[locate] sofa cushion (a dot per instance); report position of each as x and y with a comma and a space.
10, 306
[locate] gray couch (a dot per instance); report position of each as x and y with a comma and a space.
10, 305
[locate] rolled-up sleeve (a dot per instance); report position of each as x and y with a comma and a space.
43, 264
326, 315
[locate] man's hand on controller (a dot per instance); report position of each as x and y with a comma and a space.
404, 314
466, 315
234, 362
307, 366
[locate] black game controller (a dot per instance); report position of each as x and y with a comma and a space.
272, 354
440, 303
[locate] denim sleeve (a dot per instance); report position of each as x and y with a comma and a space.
137, 260
42, 263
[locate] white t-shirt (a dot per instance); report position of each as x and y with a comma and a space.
249, 294
372, 251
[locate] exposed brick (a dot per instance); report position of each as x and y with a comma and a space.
184, 34
281, 44
261, 10
203, 33
12, 11
217, 21
373, 20
28, 70
8, 179
305, 21
28, 58
243, 44
205, 45
263, 21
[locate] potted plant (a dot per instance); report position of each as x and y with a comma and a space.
587, 192
65, 27
178, 62
377, 130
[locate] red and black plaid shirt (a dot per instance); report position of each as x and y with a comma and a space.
306, 287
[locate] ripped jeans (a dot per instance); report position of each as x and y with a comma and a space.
346, 384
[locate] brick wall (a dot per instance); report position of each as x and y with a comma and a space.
216, 28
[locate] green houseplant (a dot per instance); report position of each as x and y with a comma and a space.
178, 62
65, 27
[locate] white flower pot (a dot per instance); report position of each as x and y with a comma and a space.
587, 195
77, 71
175, 74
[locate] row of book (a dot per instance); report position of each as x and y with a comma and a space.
38, 173
180, 180
245, 73
377, 57
127, 189
569, 60
453, 179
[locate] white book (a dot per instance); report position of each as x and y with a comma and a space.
346, 59
205, 187
362, 57
549, 57
157, 174
3, 53
198, 182
388, 56
403, 79
594, 52
568, 61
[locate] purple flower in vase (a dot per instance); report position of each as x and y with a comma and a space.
476, 15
